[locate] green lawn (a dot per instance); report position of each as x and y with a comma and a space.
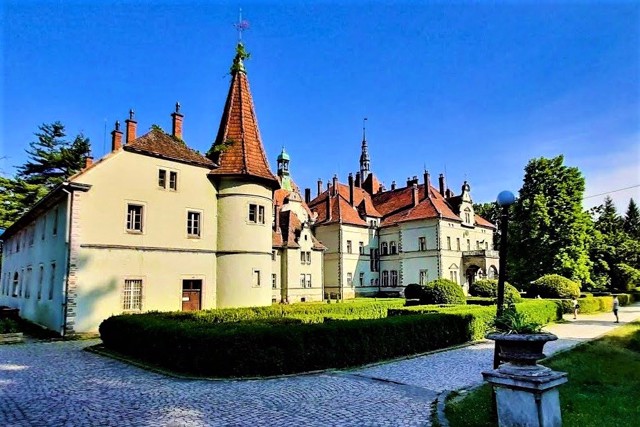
603, 388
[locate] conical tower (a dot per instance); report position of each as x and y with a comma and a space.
245, 186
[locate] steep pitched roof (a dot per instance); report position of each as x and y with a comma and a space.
158, 144
288, 233
238, 147
397, 205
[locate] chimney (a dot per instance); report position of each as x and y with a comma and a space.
116, 137
335, 184
411, 181
350, 188
307, 195
176, 129
131, 127
319, 186
414, 194
328, 202
358, 182
277, 217
88, 161
393, 185
448, 193
441, 184
427, 184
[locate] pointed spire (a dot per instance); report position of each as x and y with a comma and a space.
238, 148
364, 156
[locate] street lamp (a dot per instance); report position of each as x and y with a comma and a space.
504, 200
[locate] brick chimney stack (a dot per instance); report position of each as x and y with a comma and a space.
427, 184
307, 195
319, 186
116, 137
335, 185
350, 188
131, 127
441, 184
414, 194
358, 182
88, 161
176, 128
393, 185
276, 222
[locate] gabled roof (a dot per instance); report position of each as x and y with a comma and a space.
397, 205
481, 222
371, 184
289, 232
361, 199
238, 148
340, 211
156, 143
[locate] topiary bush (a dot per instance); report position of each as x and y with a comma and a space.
442, 291
555, 286
413, 291
489, 288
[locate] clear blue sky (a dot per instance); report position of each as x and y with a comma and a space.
478, 88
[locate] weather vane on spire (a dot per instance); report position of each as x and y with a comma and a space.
241, 25
364, 129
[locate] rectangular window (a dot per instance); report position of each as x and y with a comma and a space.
361, 247
55, 222
308, 258
256, 278
132, 295
52, 280
477, 244
458, 244
308, 280
256, 213
361, 279
27, 283
273, 255
134, 218
173, 181
448, 242
468, 244
422, 243
394, 278
40, 278
385, 278
44, 227
302, 280
303, 258
162, 178
393, 248
349, 249
454, 276
193, 224
21, 286
424, 277
371, 282
350, 279
377, 262
372, 260
274, 281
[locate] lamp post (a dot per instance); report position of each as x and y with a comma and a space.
504, 200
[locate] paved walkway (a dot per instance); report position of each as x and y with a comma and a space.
58, 384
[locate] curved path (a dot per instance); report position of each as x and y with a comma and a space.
58, 384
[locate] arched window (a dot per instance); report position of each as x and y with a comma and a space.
16, 281
384, 248
393, 248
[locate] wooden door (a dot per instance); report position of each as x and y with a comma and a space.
191, 291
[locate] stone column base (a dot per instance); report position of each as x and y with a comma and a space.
527, 396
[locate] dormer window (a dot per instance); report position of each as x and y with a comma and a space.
467, 216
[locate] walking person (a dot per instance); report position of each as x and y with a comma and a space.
616, 305
576, 306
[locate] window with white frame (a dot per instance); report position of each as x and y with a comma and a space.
162, 178
453, 275
173, 180
350, 279
274, 281
457, 243
393, 248
361, 278
384, 248
27, 283
16, 283
302, 280
52, 280
448, 243
256, 213
424, 277
467, 216
422, 243
385, 278
193, 224
308, 280
394, 278
256, 279
134, 218
132, 295
308, 257
349, 247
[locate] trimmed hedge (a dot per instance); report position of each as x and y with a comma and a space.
489, 288
555, 286
588, 305
442, 291
413, 291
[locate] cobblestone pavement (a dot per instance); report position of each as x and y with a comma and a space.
58, 384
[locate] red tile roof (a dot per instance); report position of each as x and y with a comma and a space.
158, 144
238, 147
483, 222
288, 233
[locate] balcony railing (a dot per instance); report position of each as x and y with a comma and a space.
482, 252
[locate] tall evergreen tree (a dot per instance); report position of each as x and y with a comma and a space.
549, 231
631, 222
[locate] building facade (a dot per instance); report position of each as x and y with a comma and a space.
155, 225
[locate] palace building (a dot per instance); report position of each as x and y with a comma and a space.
155, 225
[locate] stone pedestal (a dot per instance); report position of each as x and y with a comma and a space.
527, 396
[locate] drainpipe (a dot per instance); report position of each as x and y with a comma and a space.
67, 260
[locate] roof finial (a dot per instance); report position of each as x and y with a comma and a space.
131, 113
241, 25
364, 129
177, 107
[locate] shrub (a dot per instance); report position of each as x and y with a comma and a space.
442, 291
588, 305
555, 286
8, 326
489, 288
481, 301
413, 291
624, 277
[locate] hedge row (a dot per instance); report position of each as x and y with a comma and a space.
307, 313
595, 304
